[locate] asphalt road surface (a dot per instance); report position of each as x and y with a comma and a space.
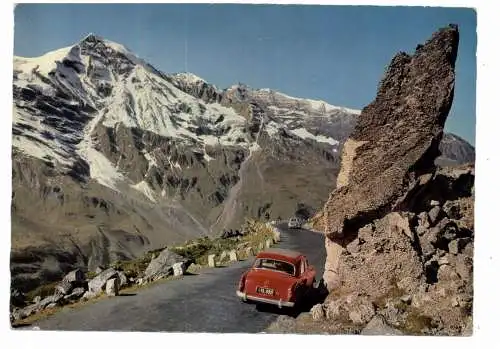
206, 302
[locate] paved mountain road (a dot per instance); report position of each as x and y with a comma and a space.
196, 303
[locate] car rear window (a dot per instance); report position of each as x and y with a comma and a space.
274, 264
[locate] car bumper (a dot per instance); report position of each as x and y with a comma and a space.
279, 303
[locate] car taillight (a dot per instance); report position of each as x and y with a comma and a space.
241, 286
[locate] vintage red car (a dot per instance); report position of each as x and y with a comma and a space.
278, 276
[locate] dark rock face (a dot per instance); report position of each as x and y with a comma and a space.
397, 136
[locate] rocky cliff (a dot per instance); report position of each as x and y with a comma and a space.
399, 232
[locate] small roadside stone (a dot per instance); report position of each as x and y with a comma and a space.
112, 287
233, 257
223, 256
277, 236
269, 242
211, 261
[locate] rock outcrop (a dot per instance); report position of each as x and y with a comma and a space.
163, 265
396, 137
98, 283
399, 231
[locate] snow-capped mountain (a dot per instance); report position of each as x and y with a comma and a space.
112, 157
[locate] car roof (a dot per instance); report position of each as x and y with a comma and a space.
289, 255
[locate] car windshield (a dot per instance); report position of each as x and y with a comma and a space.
273, 264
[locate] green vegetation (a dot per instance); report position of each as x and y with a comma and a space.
256, 233
42, 291
198, 250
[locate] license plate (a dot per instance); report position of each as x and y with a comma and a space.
265, 290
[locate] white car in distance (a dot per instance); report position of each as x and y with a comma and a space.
294, 223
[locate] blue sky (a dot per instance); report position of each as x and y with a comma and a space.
334, 53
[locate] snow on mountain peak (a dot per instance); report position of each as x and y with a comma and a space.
189, 78
64, 95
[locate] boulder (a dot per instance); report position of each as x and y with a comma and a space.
75, 294
223, 256
75, 276
387, 160
362, 312
396, 137
456, 246
55, 298
211, 261
112, 286
16, 314
317, 312
98, 283
435, 214
37, 299
17, 298
447, 273
379, 327
423, 223
249, 251
179, 268
29, 310
434, 203
123, 279
464, 267
64, 287
89, 295
161, 266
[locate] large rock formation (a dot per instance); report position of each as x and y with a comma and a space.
399, 232
395, 140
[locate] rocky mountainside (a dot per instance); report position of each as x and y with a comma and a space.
399, 231
112, 157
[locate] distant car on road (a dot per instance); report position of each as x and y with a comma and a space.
295, 223
278, 276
